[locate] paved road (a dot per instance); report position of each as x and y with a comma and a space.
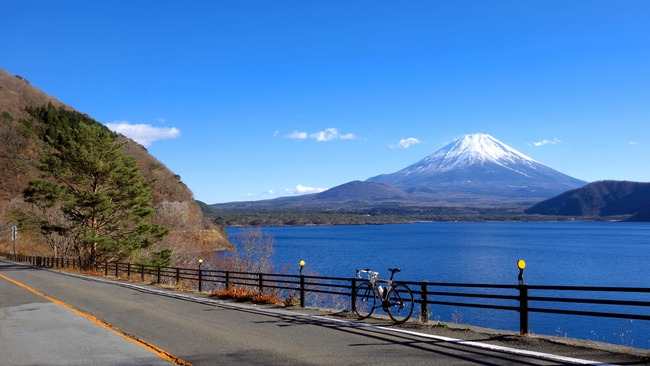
201, 331
37, 331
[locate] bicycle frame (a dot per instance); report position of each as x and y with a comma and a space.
374, 280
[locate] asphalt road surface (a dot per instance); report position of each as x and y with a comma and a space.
194, 329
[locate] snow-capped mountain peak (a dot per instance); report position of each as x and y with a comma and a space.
471, 150
479, 166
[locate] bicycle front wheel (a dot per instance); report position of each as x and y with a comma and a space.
400, 303
365, 299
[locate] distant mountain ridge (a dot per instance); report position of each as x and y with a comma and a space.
600, 199
479, 167
349, 195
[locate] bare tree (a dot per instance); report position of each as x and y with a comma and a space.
255, 250
51, 224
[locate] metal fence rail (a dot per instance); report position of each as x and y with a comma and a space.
635, 300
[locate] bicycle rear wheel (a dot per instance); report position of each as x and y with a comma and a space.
364, 304
400, 303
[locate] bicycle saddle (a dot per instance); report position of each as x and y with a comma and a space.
394, 270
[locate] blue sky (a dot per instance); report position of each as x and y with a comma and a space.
260, 99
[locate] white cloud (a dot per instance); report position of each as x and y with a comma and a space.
633, 143
142, 133
300, 189
555, 141
405, 143
296, 135
331, 134
325, 135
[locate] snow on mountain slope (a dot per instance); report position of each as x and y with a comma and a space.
479, 165
470, 150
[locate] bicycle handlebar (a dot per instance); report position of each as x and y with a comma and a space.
368, 271
374, 274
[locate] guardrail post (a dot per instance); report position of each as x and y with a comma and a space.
117, 269
302, 290
178, 275
227, 280
353, 294
260, 279
523, 300
158, 275
200, 280
105, 268
142, 272
424, 307
523, 310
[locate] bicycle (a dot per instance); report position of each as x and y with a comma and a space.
396, 299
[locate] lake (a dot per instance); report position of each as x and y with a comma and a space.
557, 253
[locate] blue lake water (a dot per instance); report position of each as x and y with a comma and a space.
558, 253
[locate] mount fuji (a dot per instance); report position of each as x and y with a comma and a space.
475, 171
479, 169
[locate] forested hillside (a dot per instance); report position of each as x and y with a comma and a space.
600, 199
29, 117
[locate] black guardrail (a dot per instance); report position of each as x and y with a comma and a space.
489, 296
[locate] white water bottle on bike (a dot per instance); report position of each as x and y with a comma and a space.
381, 291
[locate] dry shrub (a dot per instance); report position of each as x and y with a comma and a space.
245, 295
92, 272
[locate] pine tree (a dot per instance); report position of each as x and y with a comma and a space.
99, 189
